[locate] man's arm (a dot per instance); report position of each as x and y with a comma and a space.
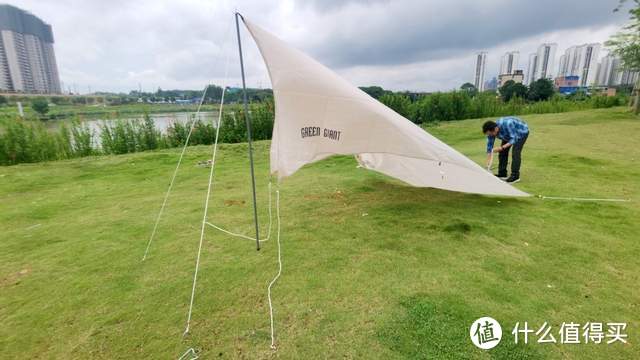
490, 141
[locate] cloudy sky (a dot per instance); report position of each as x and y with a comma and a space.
420, 45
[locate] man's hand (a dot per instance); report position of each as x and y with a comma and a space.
489, 161
497, 149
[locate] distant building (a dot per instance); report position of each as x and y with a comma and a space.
491, 84
509, 62
609, 72
531, 68
516, 76
598, 71
629, 77
481, 63
562, 64
567, 84
588, 62
569, 64
581, 61
544, 64
27, 60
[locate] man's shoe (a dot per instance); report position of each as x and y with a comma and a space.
513, 179
500, 176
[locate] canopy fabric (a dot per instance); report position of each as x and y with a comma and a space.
319, 114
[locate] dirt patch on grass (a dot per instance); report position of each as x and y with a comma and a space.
14, 278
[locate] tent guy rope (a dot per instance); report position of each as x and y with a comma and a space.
273, 336
567, 198
206, 203
184, 149
173, 177
580, 199
245, 236
205, 212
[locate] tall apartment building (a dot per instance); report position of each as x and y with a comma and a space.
609, 71
509, 62
481, 63
541, 63
581, 61
27, 60
562, 65
546, 57
531, 68
629, 77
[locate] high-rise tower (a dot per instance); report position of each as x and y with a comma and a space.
27, 60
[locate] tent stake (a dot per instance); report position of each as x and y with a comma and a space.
248, 120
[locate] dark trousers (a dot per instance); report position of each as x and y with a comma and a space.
516, 160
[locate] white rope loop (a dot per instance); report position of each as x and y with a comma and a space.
190, 354
279, 273
245, 236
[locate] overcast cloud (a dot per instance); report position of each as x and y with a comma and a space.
402, 45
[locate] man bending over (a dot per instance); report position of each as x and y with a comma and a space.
513, 133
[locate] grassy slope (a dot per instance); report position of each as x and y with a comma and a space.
404, 281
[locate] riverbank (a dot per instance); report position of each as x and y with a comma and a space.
59, 112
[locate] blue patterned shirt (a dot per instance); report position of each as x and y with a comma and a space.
511, 130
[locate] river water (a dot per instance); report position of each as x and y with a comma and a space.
161, 120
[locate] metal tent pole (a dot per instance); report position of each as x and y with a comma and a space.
248, 120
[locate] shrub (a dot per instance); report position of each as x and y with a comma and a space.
40, 105
540, 90
399, 103
512, 89
81, 140
27, 141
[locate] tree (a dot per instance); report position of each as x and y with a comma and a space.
626, 45
374, 91
398, 102
469, 88
40, 105
540, 90
3, 100
512, 89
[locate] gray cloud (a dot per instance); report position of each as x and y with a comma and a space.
410, 31
408, 44
333, 5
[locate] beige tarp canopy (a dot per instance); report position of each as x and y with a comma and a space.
319, 114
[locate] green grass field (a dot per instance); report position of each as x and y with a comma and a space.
373, 269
